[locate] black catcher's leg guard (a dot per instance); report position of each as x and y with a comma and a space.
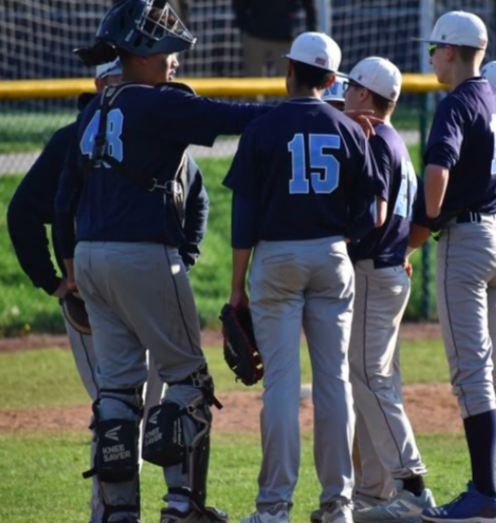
177, 437
116, 458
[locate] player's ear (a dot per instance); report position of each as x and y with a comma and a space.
99, 84
363, 94
290, 72
450, 53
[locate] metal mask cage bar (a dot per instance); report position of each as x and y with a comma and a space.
158, 20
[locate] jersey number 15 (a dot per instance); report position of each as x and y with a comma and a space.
324, 168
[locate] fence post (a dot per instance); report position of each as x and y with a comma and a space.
426, 21
426, 305
324, 16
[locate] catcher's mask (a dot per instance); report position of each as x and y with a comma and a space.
139, 27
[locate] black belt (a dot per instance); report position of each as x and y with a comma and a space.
469, 217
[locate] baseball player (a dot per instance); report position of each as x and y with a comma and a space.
31, 208
302, 180
382, 286
121, 181
460, 192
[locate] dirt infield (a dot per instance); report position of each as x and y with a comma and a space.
431, 408
409, 331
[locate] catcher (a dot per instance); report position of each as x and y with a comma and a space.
33, 206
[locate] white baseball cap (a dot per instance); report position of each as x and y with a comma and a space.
109, 69
335, 93
379, 76
489, 73
316, 49
459, 28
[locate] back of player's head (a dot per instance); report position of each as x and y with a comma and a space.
489, 73
466, 32
137, 27
381, 77
316, 58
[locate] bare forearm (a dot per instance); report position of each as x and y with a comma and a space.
382, 208
418, 236
241, 259
436, 182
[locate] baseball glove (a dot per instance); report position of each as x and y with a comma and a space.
75, 313
240, 348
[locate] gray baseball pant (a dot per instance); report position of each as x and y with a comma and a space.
380, 301
138, 295
373, 477
466, 287
309, 283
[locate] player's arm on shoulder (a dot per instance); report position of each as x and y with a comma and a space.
197, 207
31, 208
191, 119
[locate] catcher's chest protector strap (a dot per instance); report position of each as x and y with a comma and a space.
175, 189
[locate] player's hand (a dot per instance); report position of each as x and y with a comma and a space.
239, 299
62, 289
365, 119
408, 268
71, 279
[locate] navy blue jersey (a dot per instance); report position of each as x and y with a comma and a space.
401, 188
462, 139
309, 170
33, 206
148, 130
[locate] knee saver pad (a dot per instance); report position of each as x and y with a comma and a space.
116, 457
164, 440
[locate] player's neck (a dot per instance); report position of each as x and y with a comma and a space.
139, 76
463, 72
304, 92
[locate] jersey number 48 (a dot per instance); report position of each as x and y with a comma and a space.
115, 119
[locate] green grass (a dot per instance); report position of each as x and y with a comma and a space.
41, 476
40, 372
24, 308
30, 131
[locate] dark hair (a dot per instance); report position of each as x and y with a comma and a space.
310, 76
467, 54
382, 104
